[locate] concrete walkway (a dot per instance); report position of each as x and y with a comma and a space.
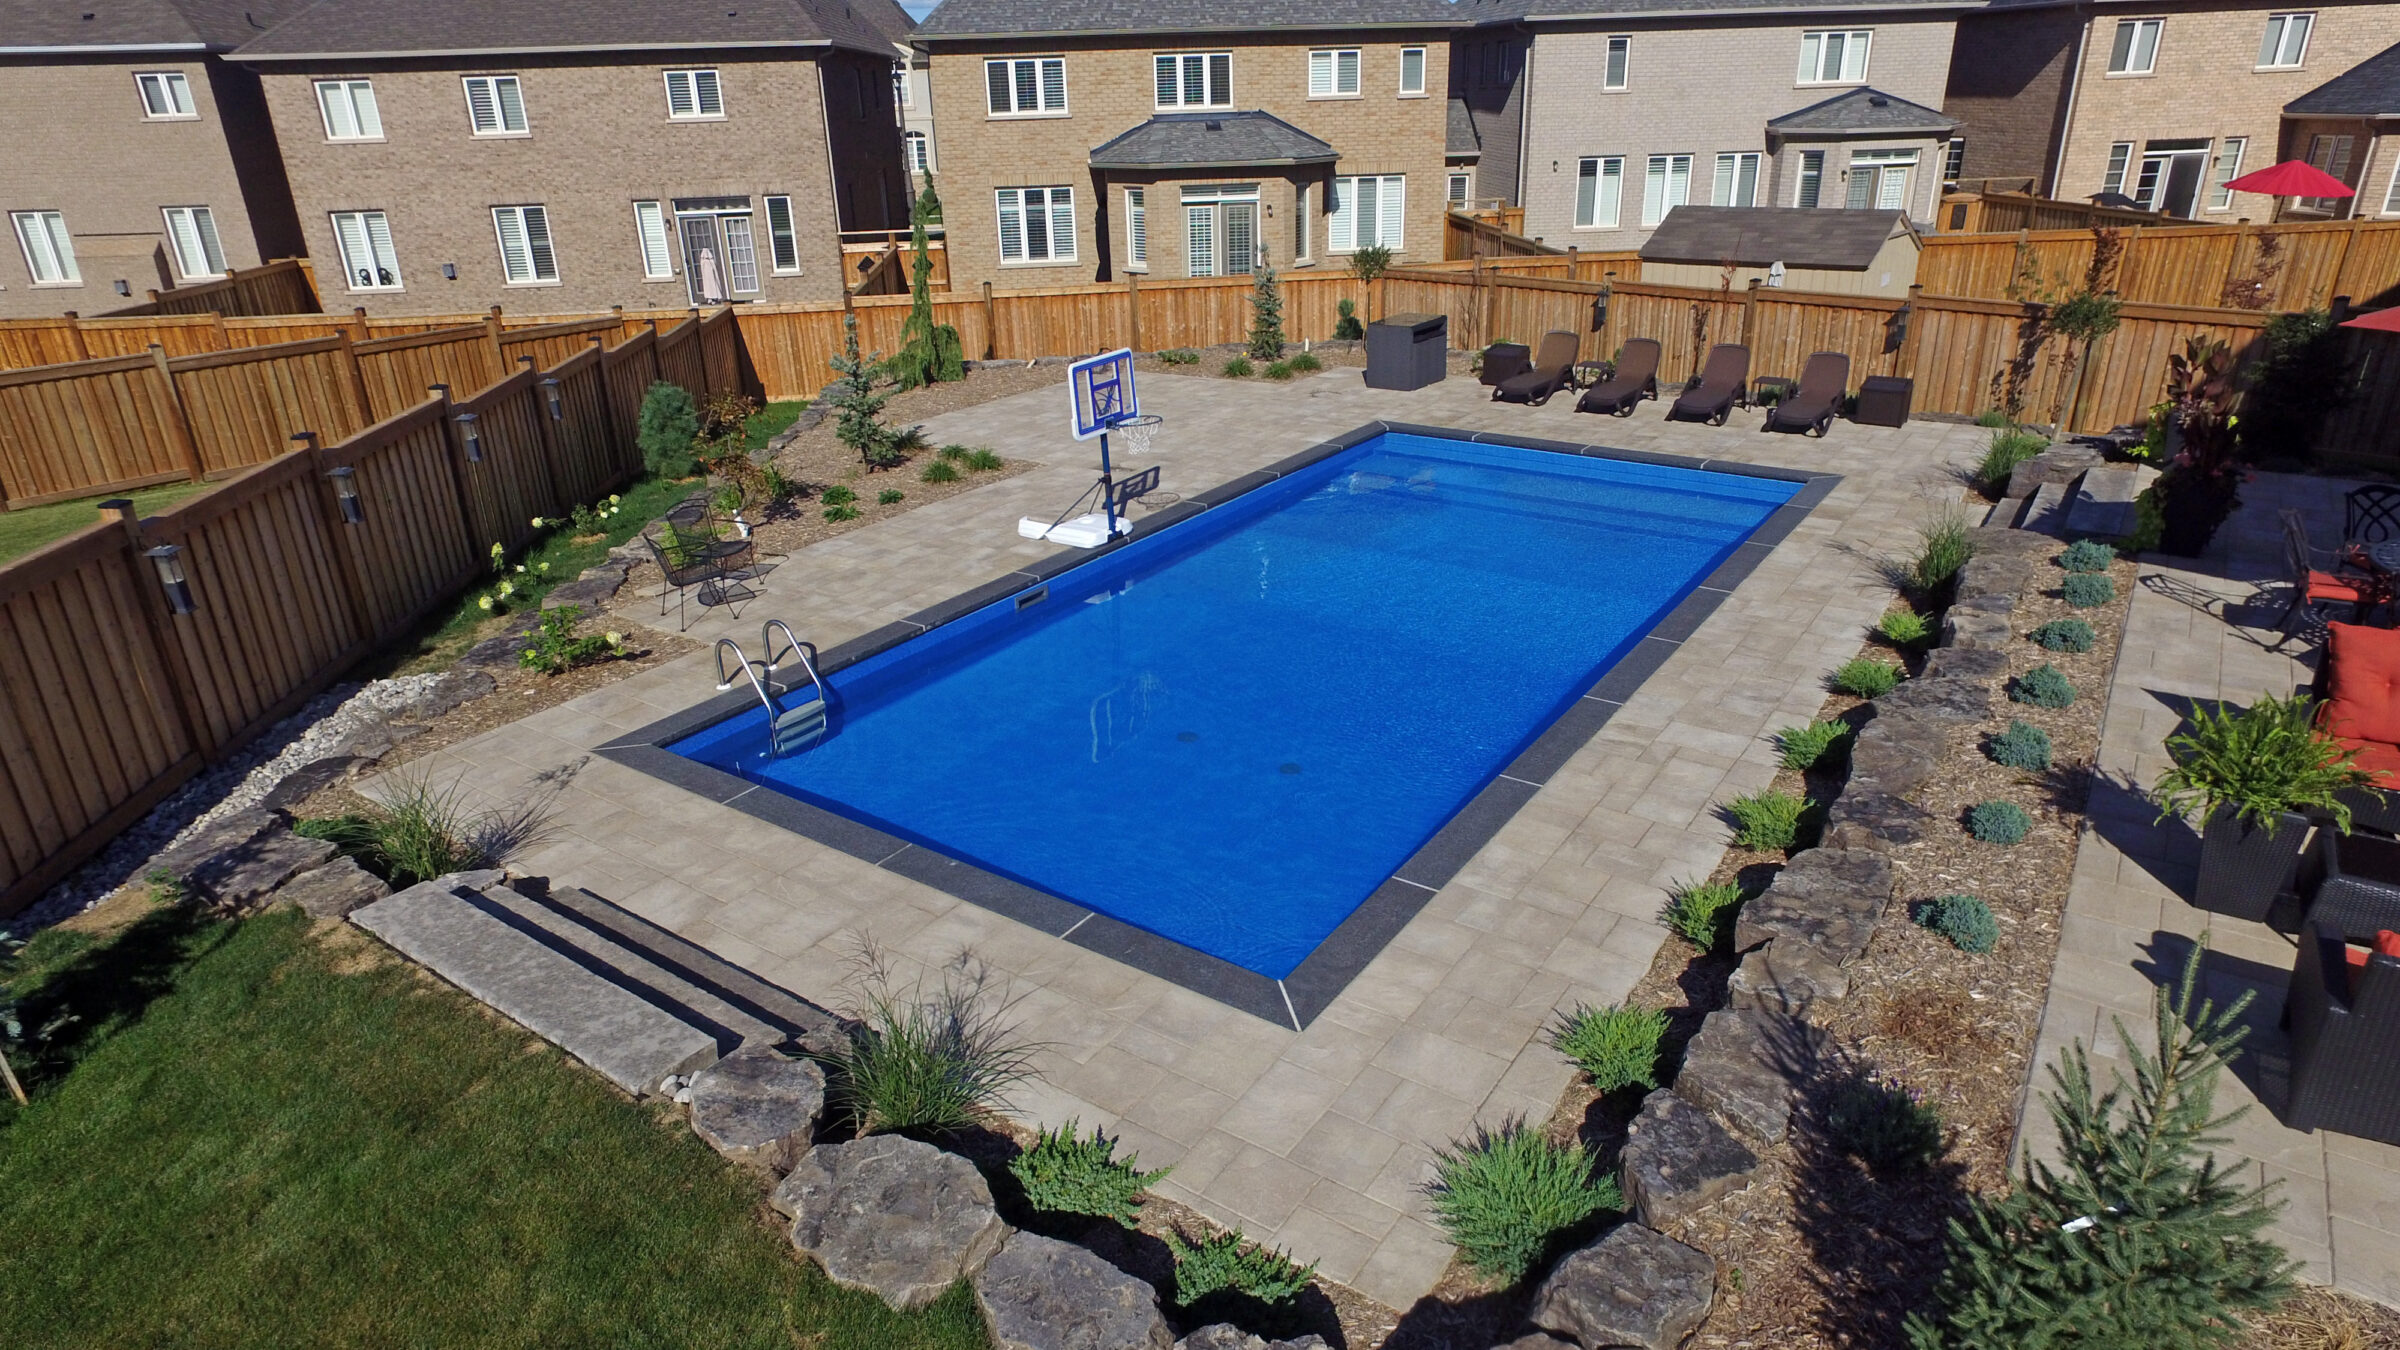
1318, 1140
2203, 630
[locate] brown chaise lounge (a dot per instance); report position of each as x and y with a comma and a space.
1553, 368
1721, 382
1811, 407
1636, 379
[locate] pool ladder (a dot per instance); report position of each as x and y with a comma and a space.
790, 729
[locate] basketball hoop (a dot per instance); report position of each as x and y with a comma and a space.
1138, 431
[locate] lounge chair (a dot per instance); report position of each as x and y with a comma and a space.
2343, 1008
1553, 369
1636, 379
1811, 407
1721, 382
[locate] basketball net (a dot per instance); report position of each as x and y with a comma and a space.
1138, 432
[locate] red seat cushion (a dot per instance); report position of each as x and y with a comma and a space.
2380, 761
2362, 684
2387, 943
2326, 586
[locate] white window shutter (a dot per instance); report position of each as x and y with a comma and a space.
1200, 240
650, 221
1394, 200
512, 102
1346, 72
358, 261
212, 250
1163, 69
334, 99
1062, 222
1054, 84
679, 93
483, 113
1341, 222
996, 86
537, 244
1320, 73
515, 263
1137, 228
379, 239
1012, 226
707, 93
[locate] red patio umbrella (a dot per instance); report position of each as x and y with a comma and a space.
2291, 178
2379, 321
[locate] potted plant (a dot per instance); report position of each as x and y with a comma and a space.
2202, 482
2252, 774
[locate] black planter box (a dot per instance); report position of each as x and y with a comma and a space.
2243, 869
1883, 401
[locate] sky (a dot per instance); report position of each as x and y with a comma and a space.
918, 9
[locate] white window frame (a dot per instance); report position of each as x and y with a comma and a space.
1174, 67
348, 91
500, 129
501, 215
201, 223
1604, 169
2229, 154
1009, 202
2391, 194
1137, 231
1882, 164
2278, 36
1304, 227
1808, 179
2131, 31
1618, 53
2120, 163
1458, 187
1326, 71
739, 234
1391, 209
655, 240
697, 93
52, 243
1855, 41
1421, 55
916, 151
1661, 168
1043, 66
174, 89
366, 222
1954, 160
1726, 177
779, 236
901, 97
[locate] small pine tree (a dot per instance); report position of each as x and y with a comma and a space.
1266, 316
1346, 327
2137, 1238
929, 352
856, 404
667, 429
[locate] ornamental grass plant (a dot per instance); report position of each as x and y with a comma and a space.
1504, 1196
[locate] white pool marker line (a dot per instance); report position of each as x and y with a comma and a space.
893, 854
1418, 884
1289, 1010
1087, 918
1526, 781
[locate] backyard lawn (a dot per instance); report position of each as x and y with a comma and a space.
25, 530
253, 1136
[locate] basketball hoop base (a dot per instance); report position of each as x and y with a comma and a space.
1086, 531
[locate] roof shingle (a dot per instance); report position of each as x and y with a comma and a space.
222, 24
1869, 110
2369, 89
995, 18
365, 28
1755, 236
1461, 138
1212, 141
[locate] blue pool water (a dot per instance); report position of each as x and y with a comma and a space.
1231, 732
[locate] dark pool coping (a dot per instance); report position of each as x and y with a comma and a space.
1297, 999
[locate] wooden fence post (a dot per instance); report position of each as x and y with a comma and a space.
179, 422
547, 434
358, 379
491, 328
2341, 257
329, 509
2233, 264
991, 325
1904, 361
457, 459
358, 319
1750, 311
1487, 280
1133, 312
83, 350
182, 701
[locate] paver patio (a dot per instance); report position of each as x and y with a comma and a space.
1316, 1140
2203, 629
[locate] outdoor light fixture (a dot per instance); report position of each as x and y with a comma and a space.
552, 390
345, 492
1896, 332
466, 428
449, 271
168, 559
124, 287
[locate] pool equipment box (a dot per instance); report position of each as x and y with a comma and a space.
1408, 351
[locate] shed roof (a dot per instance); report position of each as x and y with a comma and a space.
1210, 141
61, 25
359, 29
1796, 236
2369, 89
1865, 111
1007, 18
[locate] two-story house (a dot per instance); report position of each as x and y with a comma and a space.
445, 156
912, 86
2162, 102
1083, 141
1600, 118
2354, 115
137, 158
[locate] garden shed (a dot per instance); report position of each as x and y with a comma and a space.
1835, 252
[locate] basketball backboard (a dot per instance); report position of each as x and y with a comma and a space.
1102, 390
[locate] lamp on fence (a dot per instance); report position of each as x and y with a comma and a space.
124, 287
1895, 332
554, 391
168, 559
345, 494
474, 438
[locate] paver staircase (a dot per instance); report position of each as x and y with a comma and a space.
2068, 492
631, 999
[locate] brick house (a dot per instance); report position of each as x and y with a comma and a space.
2358, 112
447, 156
1186, 137
137, 157
1599, 119
2163, 102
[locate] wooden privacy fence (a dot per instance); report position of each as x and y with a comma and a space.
2269, 267
110, 698
1987, 211
284, 286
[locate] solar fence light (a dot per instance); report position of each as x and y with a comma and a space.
554, 391
168, 559
345, 494
474, 437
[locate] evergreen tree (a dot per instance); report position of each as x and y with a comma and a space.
2137, 1239
918, 358
1266, 316
856, 404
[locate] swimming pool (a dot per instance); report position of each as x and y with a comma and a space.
1237, 733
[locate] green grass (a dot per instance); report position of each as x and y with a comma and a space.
769, 420
240, 1146
22, 532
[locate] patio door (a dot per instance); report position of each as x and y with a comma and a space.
2171, 173
720, 250
1220, 230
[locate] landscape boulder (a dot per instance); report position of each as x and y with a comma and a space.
240, 858
1634, 1288
1677, 1160
1895, 755
1827, 898
1944, 701
1227, 1336
1861, 818
1742, 1068
1038, 1293
1964, 663
1786, 978
332, 891
1980, 621
759, 1105
893, 1216
1537, 1340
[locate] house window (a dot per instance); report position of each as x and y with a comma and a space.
1737, 179
2331, 154
1333, 74
650, 223
368, 260
694, 95
1620, 60
193, 232
1137, 231
2285, 43
2226, 167
1412, 72
918, 149
2120, 155
2136, 49
525, 256
1026, 87
1037, 224
1194, 79
349, 108
1954, 159
741, 254
1879, 179
1838, 57
1811, 178
1666, 184
901, 97
783, 238
1368, 211
1461, 186
1304, 244
1220, 223
49, 253
495, 105
1599, 191
166, 94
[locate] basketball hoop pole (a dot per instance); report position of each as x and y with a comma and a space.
1108, 489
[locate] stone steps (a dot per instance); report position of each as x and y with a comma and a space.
2046, 510
2103, 505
